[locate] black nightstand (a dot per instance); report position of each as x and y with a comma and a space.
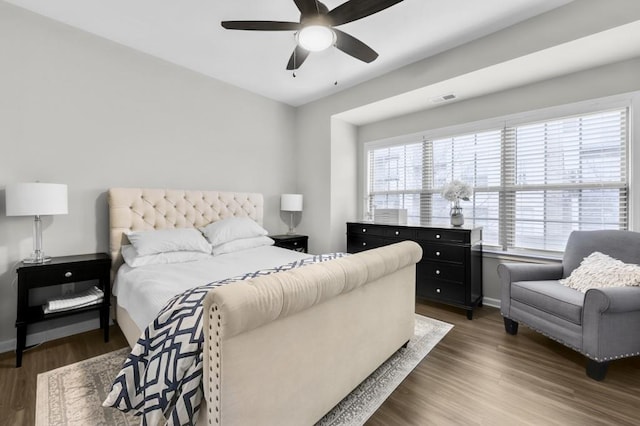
60, 270
291, 242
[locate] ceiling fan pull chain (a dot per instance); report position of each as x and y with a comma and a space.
294, 63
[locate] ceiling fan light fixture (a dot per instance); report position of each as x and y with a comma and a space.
316, 38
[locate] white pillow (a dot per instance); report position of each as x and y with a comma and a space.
599, 270
234, 228
165, 240
133, 259
242, 244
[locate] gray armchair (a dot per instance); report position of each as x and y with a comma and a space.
603, 324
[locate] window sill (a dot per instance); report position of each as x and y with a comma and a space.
522, 257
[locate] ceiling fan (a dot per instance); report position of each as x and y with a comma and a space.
316, 30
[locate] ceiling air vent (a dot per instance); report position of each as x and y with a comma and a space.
443, 98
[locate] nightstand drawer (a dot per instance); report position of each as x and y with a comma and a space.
291, 245
291, 242
61, 274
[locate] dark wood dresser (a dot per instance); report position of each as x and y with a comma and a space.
451, 267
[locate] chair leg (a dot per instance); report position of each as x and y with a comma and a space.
510, 326
597, 370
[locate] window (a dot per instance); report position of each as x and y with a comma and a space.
533, 183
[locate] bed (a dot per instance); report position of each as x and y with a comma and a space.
282, 344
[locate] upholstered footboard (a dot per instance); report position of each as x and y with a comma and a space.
283, 349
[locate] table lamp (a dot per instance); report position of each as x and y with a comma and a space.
36, 199
291, 203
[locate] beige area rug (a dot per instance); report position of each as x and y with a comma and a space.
73, 395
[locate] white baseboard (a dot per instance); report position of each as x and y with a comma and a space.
55, 333
494, 303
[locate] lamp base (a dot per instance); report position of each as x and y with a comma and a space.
292, 230
35, 260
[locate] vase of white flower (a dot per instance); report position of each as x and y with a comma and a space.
456, 216
455, 191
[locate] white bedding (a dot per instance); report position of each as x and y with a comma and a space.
144, 290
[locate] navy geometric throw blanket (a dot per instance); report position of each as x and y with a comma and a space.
162, 377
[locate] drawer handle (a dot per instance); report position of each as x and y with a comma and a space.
295, 243
437, 253
437, 236
364, 244
68, 274
437, 271
364, 229
437, 290
397, 232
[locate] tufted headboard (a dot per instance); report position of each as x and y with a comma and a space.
139, 209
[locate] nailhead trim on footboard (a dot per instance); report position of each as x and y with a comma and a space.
214, 367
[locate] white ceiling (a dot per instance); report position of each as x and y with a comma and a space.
188, 33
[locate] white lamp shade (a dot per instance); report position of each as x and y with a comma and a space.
291, 202
36, 199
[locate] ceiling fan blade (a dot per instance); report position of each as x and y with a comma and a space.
354, 47
260, 25
307, 7
357, 9
297, 58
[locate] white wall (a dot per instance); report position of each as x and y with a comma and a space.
81, 110
344, 180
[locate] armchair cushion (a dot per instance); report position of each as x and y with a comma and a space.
599, 270
549, 297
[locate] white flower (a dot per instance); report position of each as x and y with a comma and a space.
456, 190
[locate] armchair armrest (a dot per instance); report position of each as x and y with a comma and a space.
611, 323
612, 300
512, 272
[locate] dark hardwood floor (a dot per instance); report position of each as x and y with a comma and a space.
476, 375
18, 385
480, 375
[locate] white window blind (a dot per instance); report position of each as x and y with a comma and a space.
395, 179
566, 174
533, 183
475, 159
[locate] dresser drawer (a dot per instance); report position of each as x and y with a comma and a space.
441, 271
447, 252
400, 232
357, 243
443, 235
63, 273
442, 290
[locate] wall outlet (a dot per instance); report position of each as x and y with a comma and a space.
68, 288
